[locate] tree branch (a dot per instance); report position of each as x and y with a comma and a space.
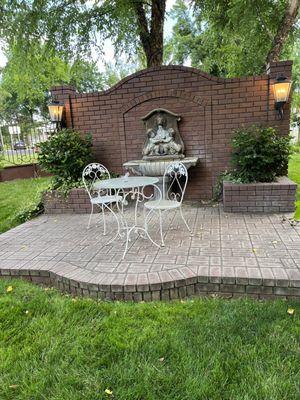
142, 25
283, 31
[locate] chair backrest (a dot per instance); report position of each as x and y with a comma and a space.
174, 181
92, 173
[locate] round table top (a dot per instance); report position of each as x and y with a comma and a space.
126, 182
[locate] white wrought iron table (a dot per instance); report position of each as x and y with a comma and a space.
134, 187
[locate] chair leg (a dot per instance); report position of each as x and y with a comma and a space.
89, 223
161, 230
146, 228
183, 219
104, 220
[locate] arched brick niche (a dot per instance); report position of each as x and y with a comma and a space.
210, 108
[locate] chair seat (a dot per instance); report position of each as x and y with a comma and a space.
106, 199
162, 204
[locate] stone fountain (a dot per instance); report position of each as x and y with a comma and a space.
163, 144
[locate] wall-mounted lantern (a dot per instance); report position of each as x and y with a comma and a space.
281, 87
56, 110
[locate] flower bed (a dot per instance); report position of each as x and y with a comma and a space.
276, 196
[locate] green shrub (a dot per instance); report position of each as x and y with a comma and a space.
259, 154
65, 155
29, 211
218, 188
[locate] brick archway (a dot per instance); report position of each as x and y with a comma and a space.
202, 102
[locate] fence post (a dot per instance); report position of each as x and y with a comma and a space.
1, 139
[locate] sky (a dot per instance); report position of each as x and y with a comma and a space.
108, 48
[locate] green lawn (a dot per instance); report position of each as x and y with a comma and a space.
18, 196
58, 348
294, 174
26, 159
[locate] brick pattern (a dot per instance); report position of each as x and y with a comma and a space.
275, 197
76, 202
172, 290
241, 255
210, 108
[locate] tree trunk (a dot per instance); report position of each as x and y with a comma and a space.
157, 32
284, 29
151, 37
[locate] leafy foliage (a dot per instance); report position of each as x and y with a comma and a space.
30, 211
294, 175
21, 200
78, 27
260, 154
218, 188
65, 155
28, 76
227, 38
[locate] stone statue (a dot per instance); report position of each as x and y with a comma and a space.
161, 139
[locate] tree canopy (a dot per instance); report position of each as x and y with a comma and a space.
28, 76
72, 27
226, 37
49, 41
232, 38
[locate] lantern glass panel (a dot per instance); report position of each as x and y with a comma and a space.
282, 91
56, 111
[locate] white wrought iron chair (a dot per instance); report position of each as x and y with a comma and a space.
174, 184
102, 198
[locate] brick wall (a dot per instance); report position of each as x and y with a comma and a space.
77, 202
260, 197
210, 108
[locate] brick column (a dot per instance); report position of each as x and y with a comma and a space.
275, 69
64, 93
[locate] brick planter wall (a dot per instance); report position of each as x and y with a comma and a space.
77, 202
260, 197
210, 108
21, 172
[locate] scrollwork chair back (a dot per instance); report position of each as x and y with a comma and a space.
91, 174
175, 178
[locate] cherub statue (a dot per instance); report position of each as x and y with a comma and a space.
161, 140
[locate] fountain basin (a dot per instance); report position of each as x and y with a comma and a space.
156, 167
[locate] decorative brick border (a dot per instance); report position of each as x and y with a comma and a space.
77, 202
229, 287
260, 197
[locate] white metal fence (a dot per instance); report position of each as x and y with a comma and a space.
19, 143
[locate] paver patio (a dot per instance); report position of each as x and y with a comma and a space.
229, 254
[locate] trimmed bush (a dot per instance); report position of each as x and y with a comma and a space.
65, 155
259, 154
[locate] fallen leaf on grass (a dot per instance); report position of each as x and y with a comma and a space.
9, 289
108, 391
